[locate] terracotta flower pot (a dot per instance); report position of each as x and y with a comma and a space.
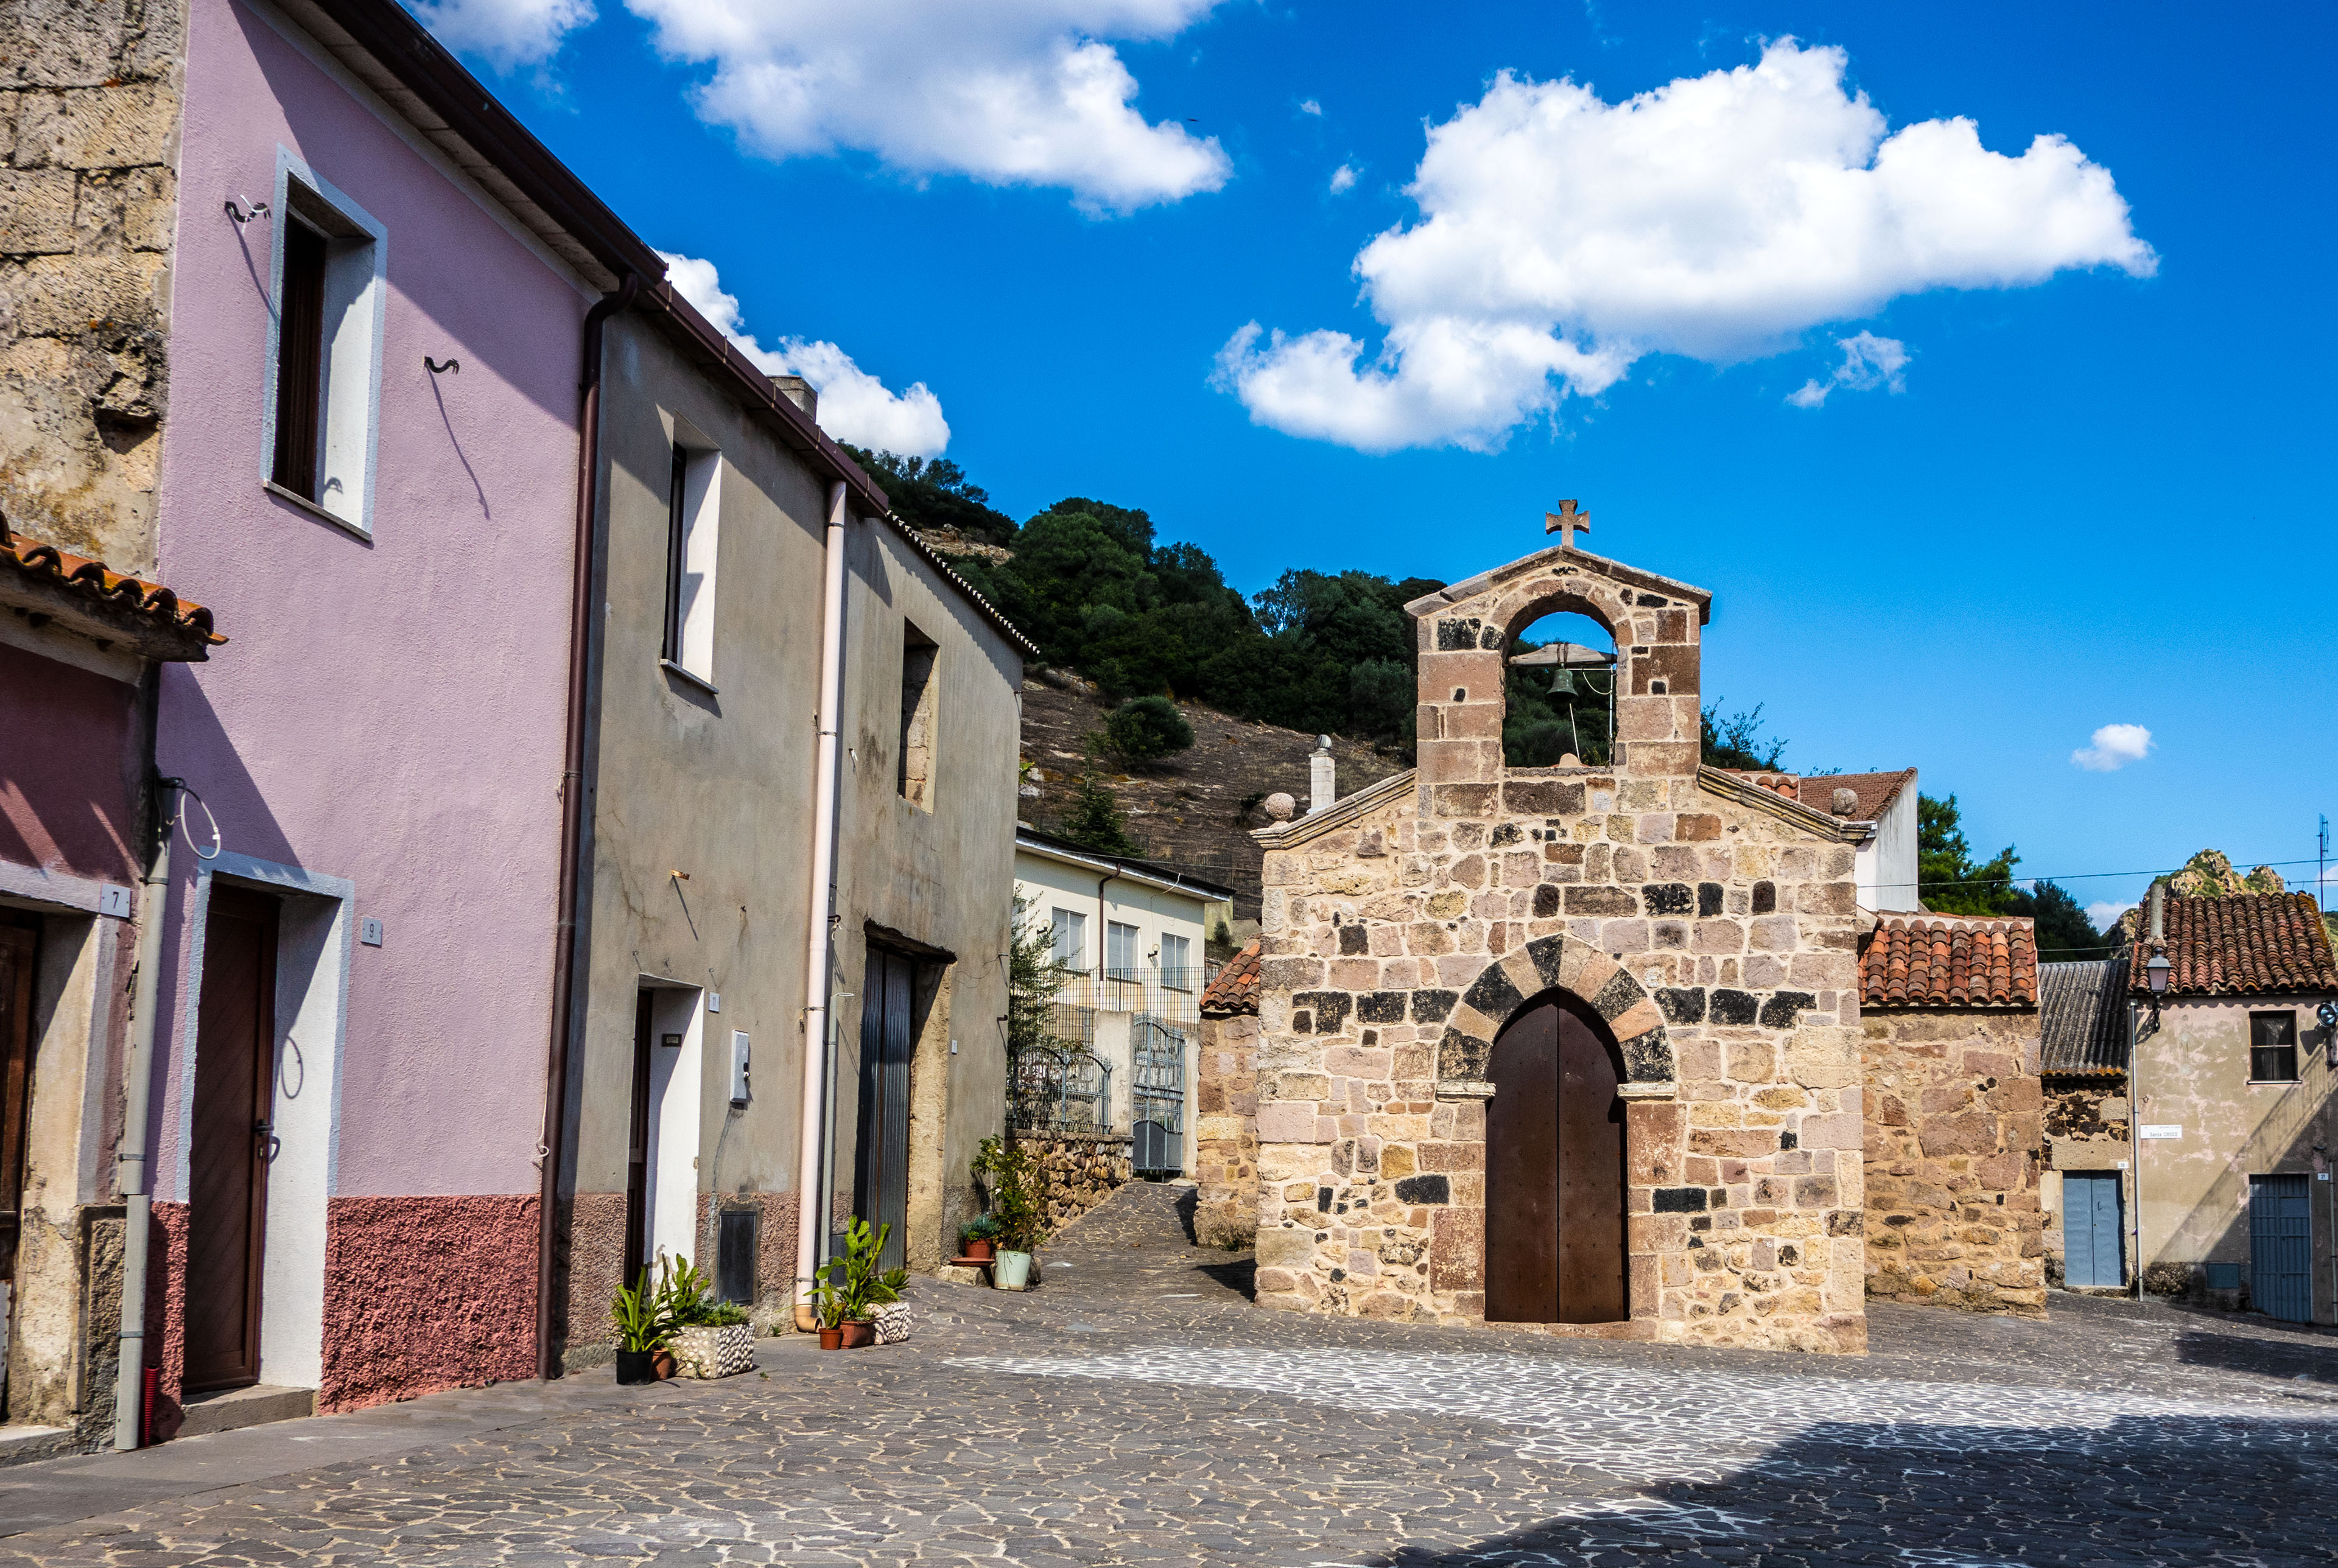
636, 1367
981, 1251
859, 1335
664, 1364
831, 1338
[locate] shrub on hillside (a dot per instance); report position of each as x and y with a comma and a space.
1144, 728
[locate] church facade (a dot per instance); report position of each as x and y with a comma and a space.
1576, 1048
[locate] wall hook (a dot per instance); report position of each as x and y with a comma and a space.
435, 369
247, 211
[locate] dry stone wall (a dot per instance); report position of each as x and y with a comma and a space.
1077, 1171
1712, 925
89, 116
1956, 1117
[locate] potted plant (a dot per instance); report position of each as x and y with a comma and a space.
639, 1314
979, 1239
854, 1287
1017, 1206
717, 1342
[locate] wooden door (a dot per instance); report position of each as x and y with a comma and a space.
18, 944
881, 1186
2280, 1249
1555, 1248
637, 1147
227, 1187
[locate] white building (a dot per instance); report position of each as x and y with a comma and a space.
1130, 936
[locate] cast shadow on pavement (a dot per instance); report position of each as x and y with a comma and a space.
2177, 1489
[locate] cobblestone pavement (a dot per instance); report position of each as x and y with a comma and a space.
1135, 1410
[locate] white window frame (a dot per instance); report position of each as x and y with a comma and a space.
1069, 938
356, 303
1121, 940
1176, 961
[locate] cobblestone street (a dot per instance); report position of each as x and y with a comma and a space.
1137, 1410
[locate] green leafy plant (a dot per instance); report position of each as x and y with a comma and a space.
854, 1286
1010, 1175
721, 1314
985, 1229
639, 1315
1145, 729
684, 1293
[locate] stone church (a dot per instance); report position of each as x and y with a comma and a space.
1575, 1048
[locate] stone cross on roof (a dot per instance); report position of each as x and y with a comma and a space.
1564, 522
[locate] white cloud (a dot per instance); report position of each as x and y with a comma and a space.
1312, 107
1718, 217
2105, 914
1344, 178
1008, 92
1868, 362
2112, 748
507, 32
854, 405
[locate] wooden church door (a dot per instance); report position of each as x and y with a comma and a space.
1554, 1174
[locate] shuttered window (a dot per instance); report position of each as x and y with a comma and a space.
2272, 1047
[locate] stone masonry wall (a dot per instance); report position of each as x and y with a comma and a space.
89, 119
1226, 1136
1713, 925
1077, 1171
1956, 1113
2087, 1128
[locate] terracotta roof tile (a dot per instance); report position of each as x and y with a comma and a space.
100, 586
1950, 961
1875, 790
2264, 943
1236, 988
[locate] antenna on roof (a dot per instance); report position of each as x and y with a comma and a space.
2321, 854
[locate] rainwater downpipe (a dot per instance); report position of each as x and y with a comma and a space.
133, 1173
817, 945
575, 819
2135, 1083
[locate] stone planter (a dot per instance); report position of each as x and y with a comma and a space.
711, 1352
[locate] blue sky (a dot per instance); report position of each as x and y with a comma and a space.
2071, 476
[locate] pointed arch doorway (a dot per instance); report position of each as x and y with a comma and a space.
1555, 1249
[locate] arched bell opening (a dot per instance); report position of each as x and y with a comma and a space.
1558, 693
1556, 1219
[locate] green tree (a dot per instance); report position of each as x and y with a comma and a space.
1736, 741
2065, 935
1950, 881
1146, 728
935, 493
1095, 820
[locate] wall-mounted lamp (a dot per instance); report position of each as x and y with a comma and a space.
435, 369
2155, 975
244, 210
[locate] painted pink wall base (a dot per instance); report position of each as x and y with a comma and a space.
463, 1311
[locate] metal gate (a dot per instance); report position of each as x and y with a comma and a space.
2093, 1253
1067, 1091
1157, 1097
2280, 1249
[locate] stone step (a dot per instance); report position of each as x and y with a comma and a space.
20, 1443
231, 1409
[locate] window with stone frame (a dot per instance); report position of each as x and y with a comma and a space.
920, 694
2272, 1047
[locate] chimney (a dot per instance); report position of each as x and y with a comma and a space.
2158, 910
800, 392
1322, 790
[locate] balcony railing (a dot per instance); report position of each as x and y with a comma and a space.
1172, 994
